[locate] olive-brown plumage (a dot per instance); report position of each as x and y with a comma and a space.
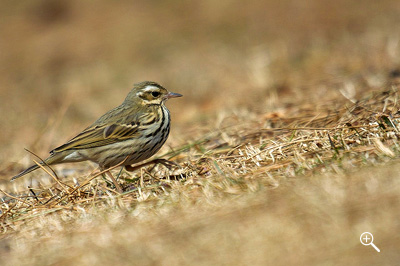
133, 131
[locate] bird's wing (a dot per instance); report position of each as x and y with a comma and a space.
97, 136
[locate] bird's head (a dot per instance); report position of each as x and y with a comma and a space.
149, 93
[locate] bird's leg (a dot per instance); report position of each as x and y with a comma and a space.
116, 184
164, 162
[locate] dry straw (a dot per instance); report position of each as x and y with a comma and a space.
236, 158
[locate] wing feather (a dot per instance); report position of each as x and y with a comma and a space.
100, 136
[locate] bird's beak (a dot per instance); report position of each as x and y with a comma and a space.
172, 95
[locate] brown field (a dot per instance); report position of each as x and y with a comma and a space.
287, 134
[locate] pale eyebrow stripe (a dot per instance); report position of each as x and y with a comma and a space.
150, 88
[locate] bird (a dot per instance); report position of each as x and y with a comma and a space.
127, 134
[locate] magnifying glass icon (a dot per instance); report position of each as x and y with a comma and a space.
367, 239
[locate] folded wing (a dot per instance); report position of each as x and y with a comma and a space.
99, 136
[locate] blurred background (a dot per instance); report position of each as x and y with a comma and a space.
64, 63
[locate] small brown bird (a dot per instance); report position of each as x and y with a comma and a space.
133, 131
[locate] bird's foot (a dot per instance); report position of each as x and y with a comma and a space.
166, 163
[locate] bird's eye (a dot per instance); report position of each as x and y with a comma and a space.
155, 94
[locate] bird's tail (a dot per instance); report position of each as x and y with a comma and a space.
54, 158
28, 170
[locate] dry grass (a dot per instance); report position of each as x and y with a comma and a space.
288, 143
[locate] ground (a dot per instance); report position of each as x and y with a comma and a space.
287, 134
